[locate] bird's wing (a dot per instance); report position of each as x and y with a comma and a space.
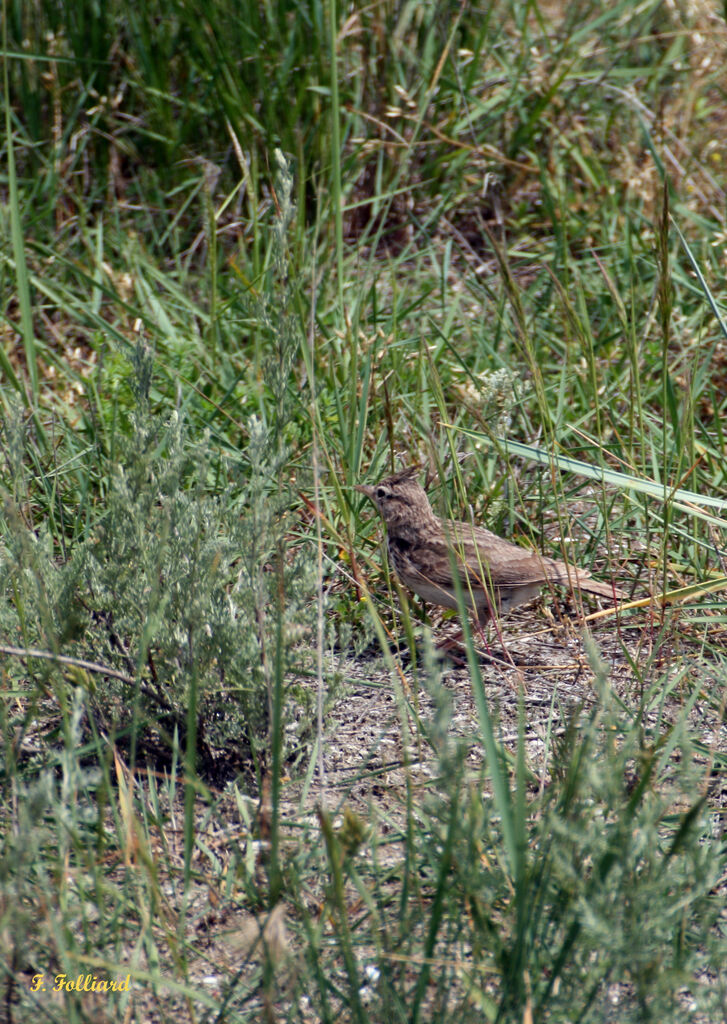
492, 559
431, 563
509, 565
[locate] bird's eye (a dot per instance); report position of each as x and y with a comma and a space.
381, 492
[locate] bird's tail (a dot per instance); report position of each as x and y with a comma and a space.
581, 579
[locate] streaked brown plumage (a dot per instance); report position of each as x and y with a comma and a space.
423, 549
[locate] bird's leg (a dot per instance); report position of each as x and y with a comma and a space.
480, 622
483, 620
449, 642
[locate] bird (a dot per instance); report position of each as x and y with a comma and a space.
495, 575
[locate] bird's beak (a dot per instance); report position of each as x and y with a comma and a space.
365, 489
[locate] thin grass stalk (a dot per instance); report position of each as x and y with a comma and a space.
524, 339
190, 765
275, 875
523, 884
210, 221
637, 420
312, 932
702, 280
336, 190
664, 301
493, 754
437, 911
361, 379
588, 343
21, 269
310, 350
338, 899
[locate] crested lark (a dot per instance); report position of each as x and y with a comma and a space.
495, 574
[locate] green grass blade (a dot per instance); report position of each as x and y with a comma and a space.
686, 501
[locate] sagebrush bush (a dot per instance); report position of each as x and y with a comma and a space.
185, 576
